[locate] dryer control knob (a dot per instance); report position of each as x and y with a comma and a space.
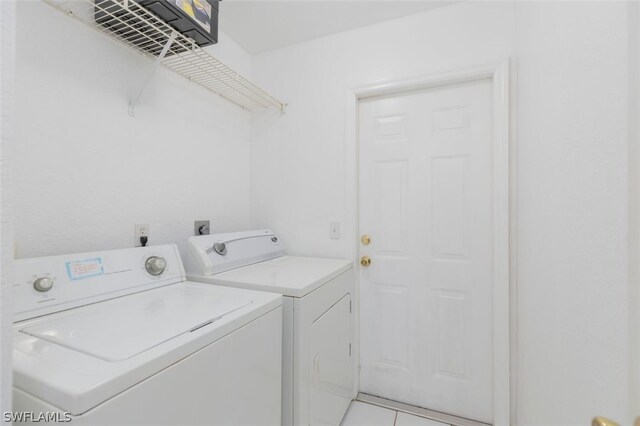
155, 265
220, 248
43, 284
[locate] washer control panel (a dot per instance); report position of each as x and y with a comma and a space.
50, 284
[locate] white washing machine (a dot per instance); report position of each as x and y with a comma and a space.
318, 322
120, 338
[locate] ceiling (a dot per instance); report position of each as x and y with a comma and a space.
258, 26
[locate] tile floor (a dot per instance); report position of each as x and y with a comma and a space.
362, 414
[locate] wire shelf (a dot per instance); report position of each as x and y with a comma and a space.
136, 27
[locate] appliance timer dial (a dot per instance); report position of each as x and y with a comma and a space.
220, 248
155, 265
43, 284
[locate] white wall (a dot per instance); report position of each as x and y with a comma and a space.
572, 234
86, 172
7, 40
571, 79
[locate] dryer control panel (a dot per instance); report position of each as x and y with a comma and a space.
215, 253
50, 284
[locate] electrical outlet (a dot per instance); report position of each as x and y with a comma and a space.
140, 230
201, 227
334, 230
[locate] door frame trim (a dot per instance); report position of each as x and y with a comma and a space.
503, 219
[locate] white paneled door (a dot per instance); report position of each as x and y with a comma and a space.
426, 205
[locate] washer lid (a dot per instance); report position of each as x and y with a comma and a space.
75, 381
288, 275
138, 323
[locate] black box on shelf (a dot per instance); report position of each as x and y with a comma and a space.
196, 19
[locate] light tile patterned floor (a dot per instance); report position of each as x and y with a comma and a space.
362, 414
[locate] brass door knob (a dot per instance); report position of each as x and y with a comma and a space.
365, 240
365, 261
602, 421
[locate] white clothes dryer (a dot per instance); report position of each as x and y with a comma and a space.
120, 337
318, 367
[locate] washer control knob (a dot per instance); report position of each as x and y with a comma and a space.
155, 265
43, 284
220, 248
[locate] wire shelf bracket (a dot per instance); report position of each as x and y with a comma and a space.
134, 26
156, 64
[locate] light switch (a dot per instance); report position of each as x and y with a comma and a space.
334, 230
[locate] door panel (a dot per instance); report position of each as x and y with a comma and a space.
331, 372
391, 188
426, 202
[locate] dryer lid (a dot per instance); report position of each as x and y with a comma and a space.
120, 329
